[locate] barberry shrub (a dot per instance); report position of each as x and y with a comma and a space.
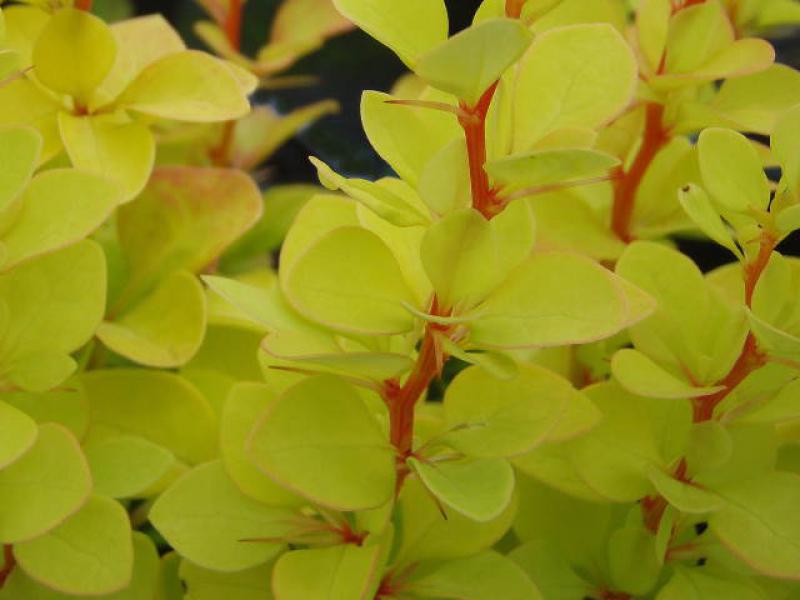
620, 425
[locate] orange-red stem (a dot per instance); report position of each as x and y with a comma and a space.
473, 122
84, 5
627, 182
9, 562
233, 24
514, 8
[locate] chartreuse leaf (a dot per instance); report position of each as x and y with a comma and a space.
204, 584
244, 404
336, 573
154, 405
125, 466
121, 151
58, 208
547, 167
574, 76
19, 151
444, 184
91, 553
732, 171
365, 296
45, 322
685, 496
553, 575
320, 440
184, 219
485, 576
553, 299
319, 351
46, 485
211, 523
23, 103
698, 206
695, 35
491, 417
652, 27
459, 254
759, 522
479, 489
382, 201
406, 137
186, 86
390, 22
632, 558
74, 53
18, 433
699, 584
615, 457
471, 61
165, 329
786, 147
66, 406
142, 585
429, 530
639, 374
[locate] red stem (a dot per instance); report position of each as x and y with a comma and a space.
84, 5
655, 137
9, 562
233, 24
514, 8
473, 122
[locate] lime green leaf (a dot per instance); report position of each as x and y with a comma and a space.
686, 497
18, 433
141, 41
696, 34
320, 440
19, 152
652, 27
614, 457
698, 206
66, 406
54, 305
47, 484
187, 86
742, 99
210, 522
491, 417
555, 299
699, 584
74, 53
203, 584
153, 405
485, 576
165, 329
786, 149
123, 152
639, 374
459, 253
184, 219
551, 572
478, 489
467, 64
444, 183
320, 352
344, 571
406, 137
575, 76
244, 404
382, 201
732, 170
430, 530
759, 523
41, 371
391, 23
547, 167
365, 296
59, 207
23, 103
125, 466
633, 561
90, 553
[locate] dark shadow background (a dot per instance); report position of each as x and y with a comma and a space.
349, 64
